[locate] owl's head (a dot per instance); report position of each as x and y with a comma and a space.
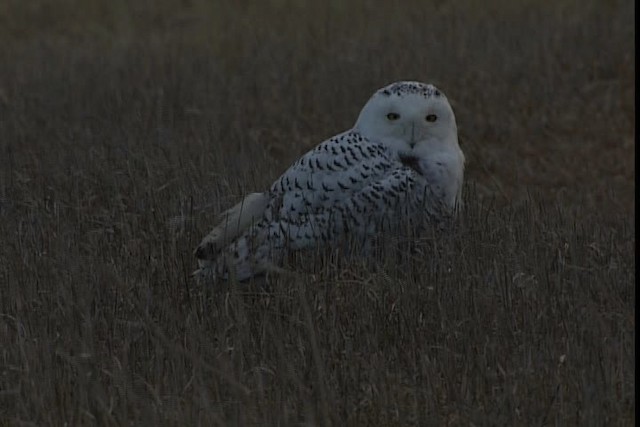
411, 118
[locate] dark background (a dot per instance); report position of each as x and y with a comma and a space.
126, 127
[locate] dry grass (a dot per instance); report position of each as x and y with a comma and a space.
125, 127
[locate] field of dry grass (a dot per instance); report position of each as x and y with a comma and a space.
125, 127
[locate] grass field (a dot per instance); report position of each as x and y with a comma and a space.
126, 127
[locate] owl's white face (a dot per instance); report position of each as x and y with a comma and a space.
411, 118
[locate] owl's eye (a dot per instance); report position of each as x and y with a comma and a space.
431, 118
393, 116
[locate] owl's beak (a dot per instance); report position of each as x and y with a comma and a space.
412, 141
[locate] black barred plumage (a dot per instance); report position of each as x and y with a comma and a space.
390, 171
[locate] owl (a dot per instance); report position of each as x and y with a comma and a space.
398, 166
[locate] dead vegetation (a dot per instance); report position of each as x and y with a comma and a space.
126, 128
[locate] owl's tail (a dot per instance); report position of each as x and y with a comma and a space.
231, 224
251, 254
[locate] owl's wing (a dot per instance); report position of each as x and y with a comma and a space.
329, 174
394, 202
318, 180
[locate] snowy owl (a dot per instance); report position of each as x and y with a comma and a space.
400, 164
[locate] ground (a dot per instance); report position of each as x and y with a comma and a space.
126, 127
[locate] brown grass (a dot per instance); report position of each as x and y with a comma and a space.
125, 127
